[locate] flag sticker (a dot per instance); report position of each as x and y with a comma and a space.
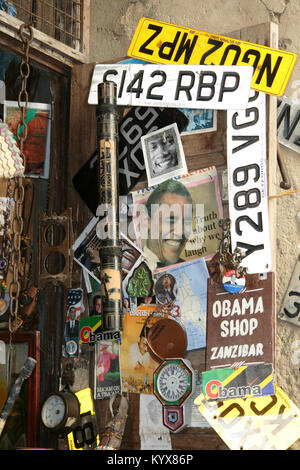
246, 381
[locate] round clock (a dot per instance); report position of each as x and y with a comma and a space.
173, 384
60, 411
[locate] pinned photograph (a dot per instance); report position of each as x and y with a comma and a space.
163, 154
137, 363
177, 220
107, 367
95, 303
72, 325
200, 120
86, 254
37, 144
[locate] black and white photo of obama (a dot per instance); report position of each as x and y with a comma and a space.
163, 154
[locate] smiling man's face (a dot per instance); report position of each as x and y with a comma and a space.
173, 227
163, 152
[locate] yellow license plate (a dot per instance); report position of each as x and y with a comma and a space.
270, 422
165, 43
85, 431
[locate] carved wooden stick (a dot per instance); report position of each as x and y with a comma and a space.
110, 251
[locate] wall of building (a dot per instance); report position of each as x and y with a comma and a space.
113, 23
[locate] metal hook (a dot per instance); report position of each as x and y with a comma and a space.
285, 183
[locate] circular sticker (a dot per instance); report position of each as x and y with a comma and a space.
71, 347
3, 264
233, 282
166, 288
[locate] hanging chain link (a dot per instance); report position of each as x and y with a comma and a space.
15, 322
227, 258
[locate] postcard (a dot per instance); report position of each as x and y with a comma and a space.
86, 251
72, 325
200, 120
163, 154
107, 367
137, 364
37, 144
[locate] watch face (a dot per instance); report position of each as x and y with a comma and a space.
172, 382
53, 411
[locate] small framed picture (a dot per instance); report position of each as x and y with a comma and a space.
163, 154
200, 120
37, 144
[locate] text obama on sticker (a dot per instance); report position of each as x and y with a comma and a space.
165, 43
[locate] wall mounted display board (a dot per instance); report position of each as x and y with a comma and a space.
201, 151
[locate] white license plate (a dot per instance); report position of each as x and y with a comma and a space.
290, 308
184, 86
247, 184
288, 123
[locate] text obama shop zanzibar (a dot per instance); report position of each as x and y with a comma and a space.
177, 305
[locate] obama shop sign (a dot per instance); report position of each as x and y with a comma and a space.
240, 327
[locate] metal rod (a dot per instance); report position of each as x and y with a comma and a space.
285, 183
110, 251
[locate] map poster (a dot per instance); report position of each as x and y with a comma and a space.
191, 299
137, 364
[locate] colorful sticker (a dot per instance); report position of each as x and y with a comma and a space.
222, 384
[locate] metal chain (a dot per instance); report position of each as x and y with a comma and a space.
26, 35
225, 245
227, 258
15, 322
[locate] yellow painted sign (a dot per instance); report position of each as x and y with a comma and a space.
165, 43
84, 433
264, 423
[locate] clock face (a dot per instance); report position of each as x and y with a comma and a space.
53, 411
172, 382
